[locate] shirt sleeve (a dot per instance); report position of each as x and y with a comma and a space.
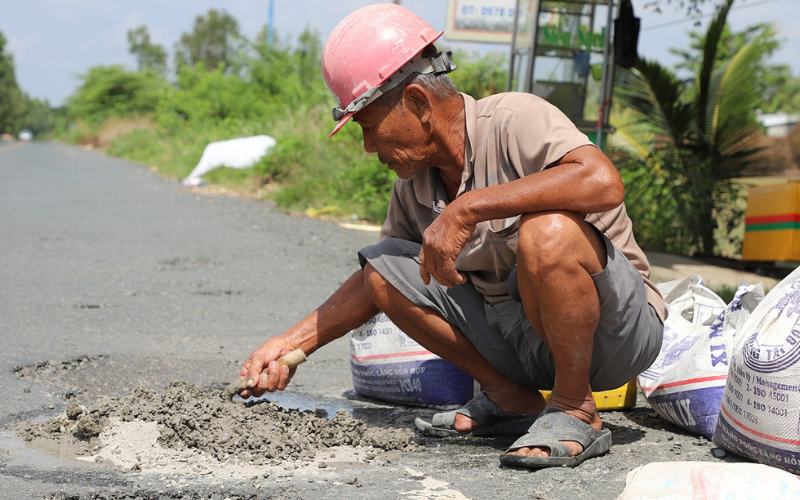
540, 135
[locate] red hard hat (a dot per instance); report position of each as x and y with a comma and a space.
367, 48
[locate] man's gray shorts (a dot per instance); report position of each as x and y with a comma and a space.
626, 342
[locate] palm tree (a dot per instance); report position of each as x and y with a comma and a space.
685, 144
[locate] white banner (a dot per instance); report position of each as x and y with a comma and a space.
480, 20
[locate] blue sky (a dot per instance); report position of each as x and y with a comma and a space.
53, 41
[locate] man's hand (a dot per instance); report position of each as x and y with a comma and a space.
441, 244
277, 377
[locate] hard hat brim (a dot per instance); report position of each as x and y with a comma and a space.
344, 119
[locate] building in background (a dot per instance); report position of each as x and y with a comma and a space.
777, 124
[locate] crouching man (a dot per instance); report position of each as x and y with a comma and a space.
506, 250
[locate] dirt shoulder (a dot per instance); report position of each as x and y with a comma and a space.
666, 266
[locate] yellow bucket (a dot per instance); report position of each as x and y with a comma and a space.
617, 399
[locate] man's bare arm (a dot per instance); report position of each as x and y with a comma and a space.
583, 181
349, 307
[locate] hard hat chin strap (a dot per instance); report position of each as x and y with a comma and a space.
437, 64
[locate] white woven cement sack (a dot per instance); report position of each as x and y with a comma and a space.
686, 382
709, 481
760, 414
389, 365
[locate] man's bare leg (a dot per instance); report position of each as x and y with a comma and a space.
440, 337
557, 254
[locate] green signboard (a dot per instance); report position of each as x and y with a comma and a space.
561, 34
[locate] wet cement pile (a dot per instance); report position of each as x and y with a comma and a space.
192, 431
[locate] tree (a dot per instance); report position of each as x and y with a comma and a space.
285, 73
114, 91
214, 41
480, 76
692, 6
37, 116
784, 97
11, 99
685, 144
203, 95
773, 77
307, 56
149, 56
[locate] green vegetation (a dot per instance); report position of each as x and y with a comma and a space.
684, 144
726, 293
17, 110
113, 91
480, 76
149, 56
11, 103
775, 80
214, 41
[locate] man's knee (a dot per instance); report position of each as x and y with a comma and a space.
380, 290
376, 285
551, 240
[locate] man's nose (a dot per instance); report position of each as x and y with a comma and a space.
369, 142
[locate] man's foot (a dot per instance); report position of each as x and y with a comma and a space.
519, 400
593, 420
482, 417
557, 439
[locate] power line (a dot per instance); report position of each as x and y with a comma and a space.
707, 14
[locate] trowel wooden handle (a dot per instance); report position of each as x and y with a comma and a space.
293, 359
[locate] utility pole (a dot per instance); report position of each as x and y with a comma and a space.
269, 22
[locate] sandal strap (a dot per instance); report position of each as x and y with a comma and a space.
483, 411
554, 426
479, 409
444, 420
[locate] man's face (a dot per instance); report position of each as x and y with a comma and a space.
397, 136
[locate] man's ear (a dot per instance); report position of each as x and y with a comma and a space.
418, 100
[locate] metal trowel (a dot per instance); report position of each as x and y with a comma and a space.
293, 359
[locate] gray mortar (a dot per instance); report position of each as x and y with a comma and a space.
231, 432
45, 369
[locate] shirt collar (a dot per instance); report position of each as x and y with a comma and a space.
471, 118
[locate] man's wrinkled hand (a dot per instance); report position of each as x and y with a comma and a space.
275, 378
441, 244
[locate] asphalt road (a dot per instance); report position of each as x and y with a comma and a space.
112, 277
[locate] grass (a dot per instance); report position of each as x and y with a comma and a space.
725, 292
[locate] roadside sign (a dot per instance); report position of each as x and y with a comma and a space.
480, 20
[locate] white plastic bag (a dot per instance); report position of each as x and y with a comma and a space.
685, 383
389, 365
239, 153
760, 414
